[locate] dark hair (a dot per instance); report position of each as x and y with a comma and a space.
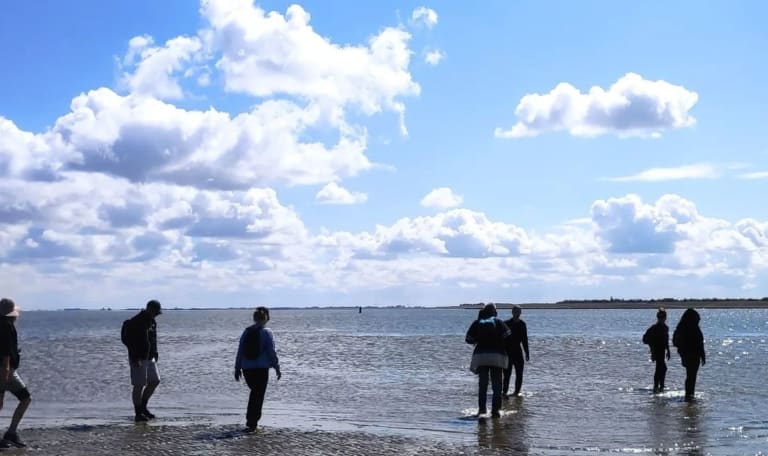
690, 318
261, 314
662, 313
488, 311
516, 308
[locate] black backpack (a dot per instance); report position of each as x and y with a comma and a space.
125, 332
252, 343
488, 332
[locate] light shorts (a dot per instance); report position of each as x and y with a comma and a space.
16, 386
146, 374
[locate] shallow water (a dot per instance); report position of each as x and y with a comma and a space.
587, 388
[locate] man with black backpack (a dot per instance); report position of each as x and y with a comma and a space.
139, 334
657, 339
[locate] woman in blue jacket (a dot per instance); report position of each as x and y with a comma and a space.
255, 355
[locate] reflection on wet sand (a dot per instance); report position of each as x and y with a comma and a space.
692, 434
507, 433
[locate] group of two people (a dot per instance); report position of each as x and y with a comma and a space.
499, 347
690, 346
256, 354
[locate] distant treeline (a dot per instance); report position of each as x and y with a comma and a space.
615, 303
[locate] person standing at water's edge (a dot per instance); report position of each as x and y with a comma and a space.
657, 339
255, 355
690, 345
9, 377
489, 335
518, 336
140, 336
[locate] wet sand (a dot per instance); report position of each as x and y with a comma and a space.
160, 440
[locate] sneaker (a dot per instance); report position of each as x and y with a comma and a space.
12, 439
141, 418
148, 414
495, 414
249, 428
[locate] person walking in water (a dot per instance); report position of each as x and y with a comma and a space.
255, 355
9, 376
690, 345
518, 336
489, 335
657, 339
140, 336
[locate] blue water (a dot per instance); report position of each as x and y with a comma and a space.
587, 388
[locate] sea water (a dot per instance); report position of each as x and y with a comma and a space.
587, 387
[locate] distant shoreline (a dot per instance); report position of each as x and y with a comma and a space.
604, 304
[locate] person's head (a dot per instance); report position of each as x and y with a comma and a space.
8, 309
690, 317
661, 315
153, 307
516, 311
488, 311
261, 315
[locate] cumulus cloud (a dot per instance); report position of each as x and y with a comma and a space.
333, 193
632, 106
149, 70
442, 198
695, 171
265, 54
425, 16
434, 57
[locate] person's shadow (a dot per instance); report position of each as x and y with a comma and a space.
507, 433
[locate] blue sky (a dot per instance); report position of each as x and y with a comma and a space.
230, 153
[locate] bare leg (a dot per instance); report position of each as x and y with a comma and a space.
18, 414
137, 389
149, 390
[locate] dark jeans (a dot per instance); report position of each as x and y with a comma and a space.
482, 398
660, 374
517, 361
257, 381
691, 364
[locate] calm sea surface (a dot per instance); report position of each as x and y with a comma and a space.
587, 388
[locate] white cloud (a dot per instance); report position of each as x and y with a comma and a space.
434, 57
425, 16
144, 139
695, 171
755, 175
266, 54
632, 106
442, 198
333, 193
153, 73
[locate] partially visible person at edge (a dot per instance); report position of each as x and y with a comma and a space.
518, 336
255, 355
9, 375
657, 339
690, 345
143, 357
489, 335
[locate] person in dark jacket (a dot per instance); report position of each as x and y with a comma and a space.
690, 346
518, 336
255, 355
657, 339
489, 335
9, 376
142, 357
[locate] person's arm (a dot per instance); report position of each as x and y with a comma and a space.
525, 342
238, 357
701, 348
274, 362
470, 337
5, 368
505, 332
666, 343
